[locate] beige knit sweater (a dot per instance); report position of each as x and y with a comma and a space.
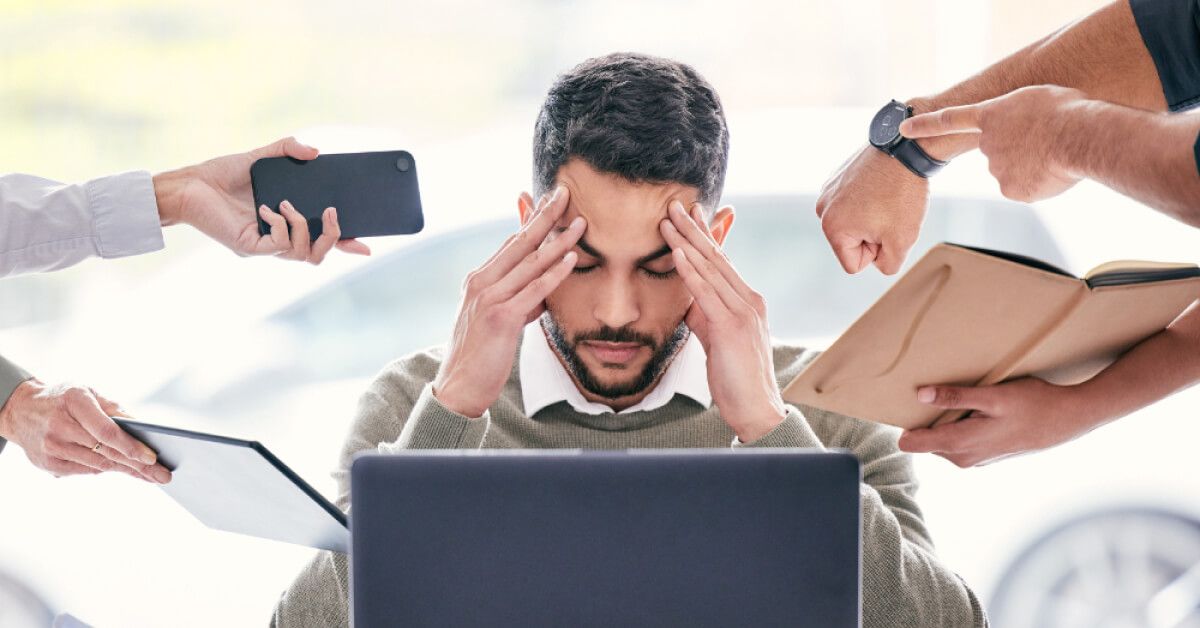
904, 584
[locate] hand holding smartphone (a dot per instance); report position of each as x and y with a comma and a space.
375, 193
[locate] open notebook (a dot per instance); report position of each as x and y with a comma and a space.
972, 316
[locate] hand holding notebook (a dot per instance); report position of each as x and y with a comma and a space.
976, 317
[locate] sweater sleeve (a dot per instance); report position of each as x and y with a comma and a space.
11, 376
904, 582
793, 431
432, 425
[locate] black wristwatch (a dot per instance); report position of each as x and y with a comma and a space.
885, 135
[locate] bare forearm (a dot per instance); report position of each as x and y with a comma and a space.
1147, 156
1159, 366
1102, 54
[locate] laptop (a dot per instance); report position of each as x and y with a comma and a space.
633, 538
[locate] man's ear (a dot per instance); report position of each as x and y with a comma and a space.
525, 206
721, 223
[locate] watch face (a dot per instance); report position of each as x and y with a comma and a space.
885, 128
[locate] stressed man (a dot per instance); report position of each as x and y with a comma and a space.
612, 320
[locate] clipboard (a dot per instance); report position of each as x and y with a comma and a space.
240, 486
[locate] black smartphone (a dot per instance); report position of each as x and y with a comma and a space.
376, 193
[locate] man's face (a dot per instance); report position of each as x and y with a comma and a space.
617, 321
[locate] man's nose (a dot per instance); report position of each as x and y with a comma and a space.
617, 303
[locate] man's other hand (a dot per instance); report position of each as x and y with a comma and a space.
730, 320
499, 298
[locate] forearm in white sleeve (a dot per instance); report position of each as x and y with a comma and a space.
47, 225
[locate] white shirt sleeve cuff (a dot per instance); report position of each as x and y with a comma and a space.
124, 214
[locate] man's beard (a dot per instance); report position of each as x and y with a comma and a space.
660, 355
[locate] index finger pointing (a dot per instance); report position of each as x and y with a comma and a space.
963, 119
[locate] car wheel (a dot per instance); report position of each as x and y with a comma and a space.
1123, 568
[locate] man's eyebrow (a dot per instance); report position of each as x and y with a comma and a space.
645, 259
582, 243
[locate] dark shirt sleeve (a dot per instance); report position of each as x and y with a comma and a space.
1196, 152
1171, 32
11, 376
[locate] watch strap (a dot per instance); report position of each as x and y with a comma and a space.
909, 153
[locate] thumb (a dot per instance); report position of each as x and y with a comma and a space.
854, 254
957, 397
889, 257
286, 147
952, 439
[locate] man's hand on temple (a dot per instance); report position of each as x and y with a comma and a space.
871, 211
66, 430
216, 198
500, 297
730, 319
1020, 133
1008, 419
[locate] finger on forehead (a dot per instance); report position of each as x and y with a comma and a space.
537, 210
535, 263
711, 305
710, 273
529, 238
708, 248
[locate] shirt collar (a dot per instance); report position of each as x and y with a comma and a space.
544, 380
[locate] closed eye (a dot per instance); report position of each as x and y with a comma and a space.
657, 275
583, 270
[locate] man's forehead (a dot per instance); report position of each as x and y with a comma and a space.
622, 216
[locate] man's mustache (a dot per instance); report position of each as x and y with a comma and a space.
611, 334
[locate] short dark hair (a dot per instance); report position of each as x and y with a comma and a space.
644, 118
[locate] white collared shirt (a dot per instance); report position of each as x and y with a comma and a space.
544, 380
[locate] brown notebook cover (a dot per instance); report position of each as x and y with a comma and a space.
971, 316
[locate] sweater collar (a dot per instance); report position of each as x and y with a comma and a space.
545, 382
